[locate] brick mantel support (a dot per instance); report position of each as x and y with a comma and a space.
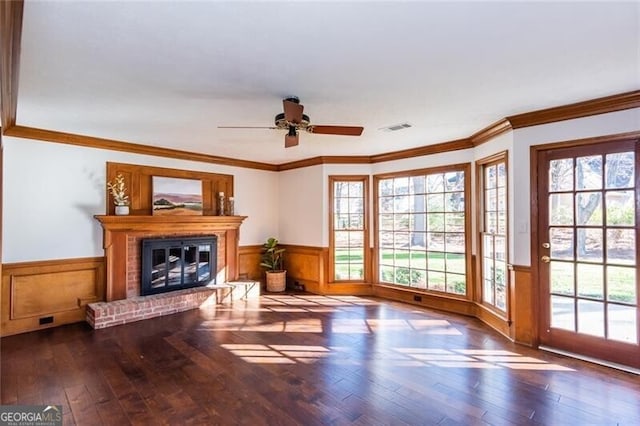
117, 230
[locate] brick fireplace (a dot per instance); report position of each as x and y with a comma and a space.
123, 237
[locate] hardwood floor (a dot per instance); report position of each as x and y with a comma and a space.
304, 359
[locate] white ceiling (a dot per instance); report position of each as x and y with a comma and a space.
168, 73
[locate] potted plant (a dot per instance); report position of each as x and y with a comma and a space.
119, 193
272, 257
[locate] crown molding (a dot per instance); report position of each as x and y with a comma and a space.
490, 132
10, 38
114, 145
330, 159
423, 150
596, 106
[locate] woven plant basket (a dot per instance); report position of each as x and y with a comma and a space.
276, 281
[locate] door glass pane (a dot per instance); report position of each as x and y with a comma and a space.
561, 243
590, 280
560, 209
620, 208
561, 175
589, 208
562, 278
621, 246
620, 170
621, 284
622, 323
589, 244
563, 313
589, 172
591, 318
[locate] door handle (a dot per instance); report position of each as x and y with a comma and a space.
545, 259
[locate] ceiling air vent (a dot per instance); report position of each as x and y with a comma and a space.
396, 127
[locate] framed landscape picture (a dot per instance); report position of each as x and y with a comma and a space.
175, 196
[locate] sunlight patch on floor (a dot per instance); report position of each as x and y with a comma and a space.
479, 358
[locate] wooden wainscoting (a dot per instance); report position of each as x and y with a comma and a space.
49, 293
523, 297
249, 262
443, 303
307, 266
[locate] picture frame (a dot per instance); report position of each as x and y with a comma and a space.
176, 196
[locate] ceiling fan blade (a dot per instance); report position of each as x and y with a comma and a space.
290, 141
336, 130
292, 111
247, 127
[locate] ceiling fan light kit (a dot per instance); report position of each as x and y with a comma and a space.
293, 119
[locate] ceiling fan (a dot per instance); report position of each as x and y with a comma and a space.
292, 120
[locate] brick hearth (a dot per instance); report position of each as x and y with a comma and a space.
108, 314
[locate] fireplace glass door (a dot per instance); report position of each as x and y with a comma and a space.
173, 264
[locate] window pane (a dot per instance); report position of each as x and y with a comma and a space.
456, 284
454, 202
435, 261
454, 181
454, 222
490, 177
385, 187
455, 263
356, 189
435, 202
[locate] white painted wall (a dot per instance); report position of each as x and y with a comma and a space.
597, 125
302, 206
52, 191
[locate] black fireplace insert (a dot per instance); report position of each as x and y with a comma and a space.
170, 264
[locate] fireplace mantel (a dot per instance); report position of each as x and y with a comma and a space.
117, 230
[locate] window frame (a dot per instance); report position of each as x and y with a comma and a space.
364, 179
469, 279
481, 165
